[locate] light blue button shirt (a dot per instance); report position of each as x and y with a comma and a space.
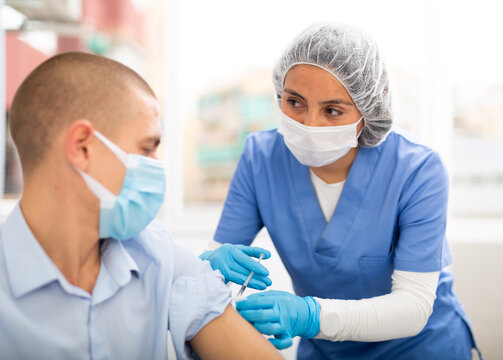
146, 286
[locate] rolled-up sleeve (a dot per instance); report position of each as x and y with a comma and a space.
198, 296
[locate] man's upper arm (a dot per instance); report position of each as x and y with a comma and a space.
229, 336
197, 296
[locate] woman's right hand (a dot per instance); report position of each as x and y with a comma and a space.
235, 263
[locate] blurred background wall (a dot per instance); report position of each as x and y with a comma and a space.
210, 63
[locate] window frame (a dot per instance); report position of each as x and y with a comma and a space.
3, 132
435, 129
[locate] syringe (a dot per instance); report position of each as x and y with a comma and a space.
245, 284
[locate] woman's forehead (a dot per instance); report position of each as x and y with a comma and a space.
310, 77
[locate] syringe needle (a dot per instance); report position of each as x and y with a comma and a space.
245, 284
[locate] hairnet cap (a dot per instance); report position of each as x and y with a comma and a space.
351, 55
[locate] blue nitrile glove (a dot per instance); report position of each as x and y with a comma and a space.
235, 264
283, 315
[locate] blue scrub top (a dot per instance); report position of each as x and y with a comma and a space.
391, 215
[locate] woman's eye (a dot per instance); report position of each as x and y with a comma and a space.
333, 112
294, 103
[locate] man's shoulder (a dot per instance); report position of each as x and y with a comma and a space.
155, 230
154, 242
155, 233
155, 245
1, 241
3, 269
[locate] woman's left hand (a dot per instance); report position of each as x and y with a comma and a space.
281, 314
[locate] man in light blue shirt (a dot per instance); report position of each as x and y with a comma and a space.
82, 276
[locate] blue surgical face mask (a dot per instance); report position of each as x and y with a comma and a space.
125, 215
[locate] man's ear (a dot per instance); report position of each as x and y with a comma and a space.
79, 136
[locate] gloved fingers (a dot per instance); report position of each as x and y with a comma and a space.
281, 342
269, 328
254, 251
235, 277
259, 282
237, 267
248, 263
205, 255
273, 294
260, 316
255, 301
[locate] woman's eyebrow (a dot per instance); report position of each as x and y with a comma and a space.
328, 102
336, 102
291, 92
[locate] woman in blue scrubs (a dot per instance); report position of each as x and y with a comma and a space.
356, 211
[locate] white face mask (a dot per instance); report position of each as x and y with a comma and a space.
318, 145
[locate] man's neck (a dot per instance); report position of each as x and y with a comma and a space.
337, 171
66, 230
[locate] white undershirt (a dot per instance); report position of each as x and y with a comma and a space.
403, 312
328, 194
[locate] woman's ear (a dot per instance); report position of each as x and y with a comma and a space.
79, 137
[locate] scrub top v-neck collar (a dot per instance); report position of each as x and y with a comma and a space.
347, 208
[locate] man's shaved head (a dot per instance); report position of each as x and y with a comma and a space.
69, 87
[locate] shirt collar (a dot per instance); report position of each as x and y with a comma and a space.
29, 267
117, 267
118, 261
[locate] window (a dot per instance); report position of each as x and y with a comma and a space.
225, 66
129, 31
445, 88
211, 65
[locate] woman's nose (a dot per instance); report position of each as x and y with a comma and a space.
311, 120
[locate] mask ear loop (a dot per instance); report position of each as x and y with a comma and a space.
106, 197
358, 135
121, 154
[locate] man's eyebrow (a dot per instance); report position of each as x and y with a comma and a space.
156, 140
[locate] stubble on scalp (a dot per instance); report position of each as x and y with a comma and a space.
65, 88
